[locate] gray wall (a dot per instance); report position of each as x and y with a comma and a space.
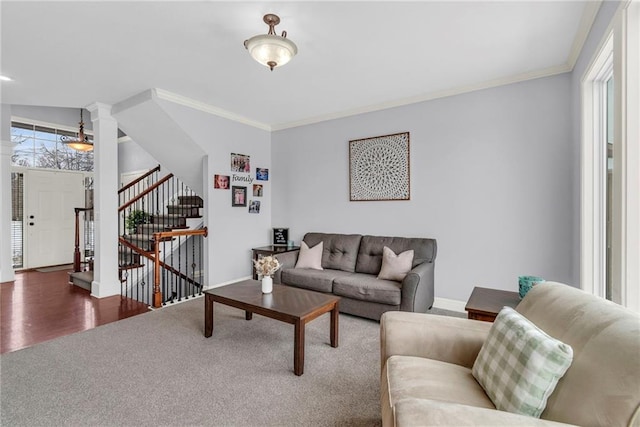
55, 115
132, 158
233, 231
491, 180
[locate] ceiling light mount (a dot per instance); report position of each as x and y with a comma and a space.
81, 143
271, 49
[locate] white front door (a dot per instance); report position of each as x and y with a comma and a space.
49, 216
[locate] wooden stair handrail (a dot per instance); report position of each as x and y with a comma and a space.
76, 250
137, 180
145, 192
157, 236
151, 258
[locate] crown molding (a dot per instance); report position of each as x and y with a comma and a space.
586, 22
547, 72
47, 124
201, 106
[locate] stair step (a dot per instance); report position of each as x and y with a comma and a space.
151, 228
81, 279
191, 200
171, 220
188, 211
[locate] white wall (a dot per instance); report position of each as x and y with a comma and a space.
233, 231
491, 180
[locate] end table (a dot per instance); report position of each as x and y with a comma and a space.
485, 303
269, 250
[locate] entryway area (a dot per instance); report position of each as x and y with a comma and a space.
43, 221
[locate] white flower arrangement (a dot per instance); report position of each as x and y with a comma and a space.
267, 266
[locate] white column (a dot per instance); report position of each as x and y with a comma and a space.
6, 150
105, 201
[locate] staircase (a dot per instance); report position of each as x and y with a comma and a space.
160, 243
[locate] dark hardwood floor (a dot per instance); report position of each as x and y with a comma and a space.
37, 307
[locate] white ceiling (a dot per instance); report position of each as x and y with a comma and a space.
353, 56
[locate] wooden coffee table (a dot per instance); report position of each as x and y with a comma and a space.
287, 304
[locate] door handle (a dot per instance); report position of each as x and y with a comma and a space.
31, 223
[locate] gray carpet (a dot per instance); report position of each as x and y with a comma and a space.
158, 369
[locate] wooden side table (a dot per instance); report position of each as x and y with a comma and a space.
485, 303
269, 250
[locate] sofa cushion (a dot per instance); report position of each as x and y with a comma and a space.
370, 252
405, 377
366, 287
340, 250
426, 412
310, 257
395, 267
316, 280
519, 365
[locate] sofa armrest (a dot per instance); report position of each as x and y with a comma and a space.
413, 412
288, 260
417, 289
448, 339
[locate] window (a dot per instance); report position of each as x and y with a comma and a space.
40, 147
610, 163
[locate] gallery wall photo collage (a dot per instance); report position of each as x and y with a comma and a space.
246, 187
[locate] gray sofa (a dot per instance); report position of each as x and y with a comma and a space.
351, 263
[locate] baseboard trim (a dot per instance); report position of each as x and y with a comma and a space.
449, 304
217, 285
443, 303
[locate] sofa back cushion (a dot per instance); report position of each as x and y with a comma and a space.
601, 385
370, 254
339, 250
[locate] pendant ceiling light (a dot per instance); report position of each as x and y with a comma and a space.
270, 49
81, 143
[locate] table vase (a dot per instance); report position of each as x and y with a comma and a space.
267, 284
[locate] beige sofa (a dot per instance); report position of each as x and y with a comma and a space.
427, 359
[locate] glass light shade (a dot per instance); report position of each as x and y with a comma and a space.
80, 146
268, 48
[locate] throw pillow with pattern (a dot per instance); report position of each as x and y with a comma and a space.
519, 365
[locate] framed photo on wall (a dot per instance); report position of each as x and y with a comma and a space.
221, 182
240, 163
238, 196
254, 206
379, 168
262, 174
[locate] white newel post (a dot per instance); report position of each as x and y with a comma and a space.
6, 150
105, 201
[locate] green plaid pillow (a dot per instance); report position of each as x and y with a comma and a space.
519, 365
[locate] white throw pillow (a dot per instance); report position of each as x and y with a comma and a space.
395, 267
310, 257
519, 365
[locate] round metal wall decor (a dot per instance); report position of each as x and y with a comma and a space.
379, 168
